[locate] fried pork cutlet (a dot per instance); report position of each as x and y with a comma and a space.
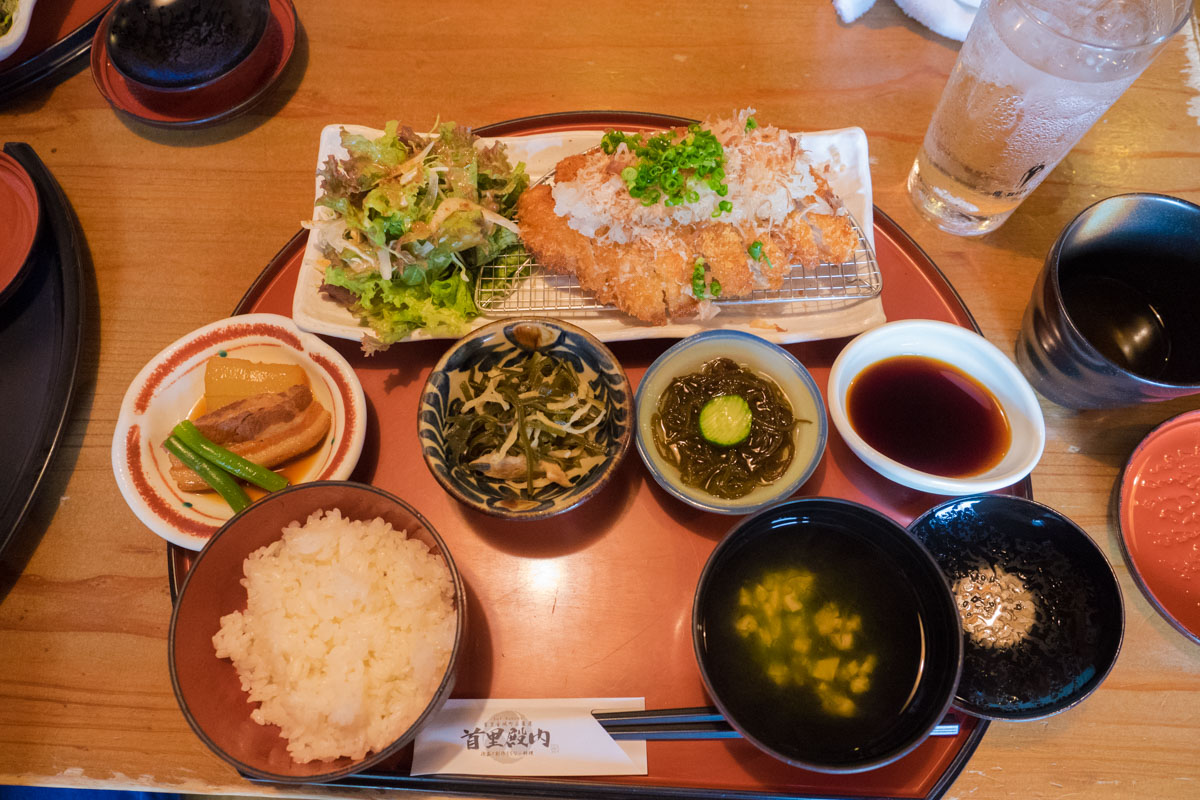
646, 259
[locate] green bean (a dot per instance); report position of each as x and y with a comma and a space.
227, 460
221, 482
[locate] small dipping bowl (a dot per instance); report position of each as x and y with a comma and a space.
1041, 609
835, 585
208, 688
508, 343
180, 45
969, 353
762, 357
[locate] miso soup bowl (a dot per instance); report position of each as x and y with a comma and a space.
973, 355
908, 621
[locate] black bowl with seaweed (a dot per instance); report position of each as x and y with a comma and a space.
1040, 606
826, 635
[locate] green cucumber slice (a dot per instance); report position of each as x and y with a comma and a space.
725, 420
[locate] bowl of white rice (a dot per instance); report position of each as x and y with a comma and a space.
316, 632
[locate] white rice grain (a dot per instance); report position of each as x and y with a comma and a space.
346, 635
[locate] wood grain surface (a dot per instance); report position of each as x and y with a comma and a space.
179, 223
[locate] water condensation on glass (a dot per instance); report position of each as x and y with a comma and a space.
1032, 77
1119, 24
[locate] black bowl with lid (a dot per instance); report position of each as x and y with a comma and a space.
183, 44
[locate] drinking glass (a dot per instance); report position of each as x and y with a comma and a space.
1031, 79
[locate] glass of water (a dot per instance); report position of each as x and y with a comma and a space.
1031, 79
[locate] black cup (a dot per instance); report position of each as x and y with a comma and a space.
1115, 315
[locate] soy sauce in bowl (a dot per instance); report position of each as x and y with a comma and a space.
928, 415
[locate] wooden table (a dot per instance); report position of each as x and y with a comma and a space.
179, 223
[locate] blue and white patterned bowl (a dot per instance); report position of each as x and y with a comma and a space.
507, 343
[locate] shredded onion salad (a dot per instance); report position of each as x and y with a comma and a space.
528, 426
726, 472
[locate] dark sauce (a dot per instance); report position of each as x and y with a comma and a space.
928, 415
852, 573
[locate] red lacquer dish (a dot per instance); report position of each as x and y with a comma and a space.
1160, 520
597, 602
19, 218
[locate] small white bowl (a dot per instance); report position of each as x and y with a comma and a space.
760, 356
167, 389
969, 352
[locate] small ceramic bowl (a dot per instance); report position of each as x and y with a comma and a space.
978, 359
1040, 606
168, 388
762, 357
208, 689
507, 343
184, 44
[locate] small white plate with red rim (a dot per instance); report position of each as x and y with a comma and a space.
168, 388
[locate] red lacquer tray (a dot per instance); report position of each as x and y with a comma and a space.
60, 31
597, 602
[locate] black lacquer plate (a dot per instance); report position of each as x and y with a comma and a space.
41, 328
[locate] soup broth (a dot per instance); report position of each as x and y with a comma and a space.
795, 715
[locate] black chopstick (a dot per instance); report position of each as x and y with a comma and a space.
699, 722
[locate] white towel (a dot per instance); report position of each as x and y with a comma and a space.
949, 18
850, 10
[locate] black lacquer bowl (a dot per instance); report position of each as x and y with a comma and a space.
791, 606
1040, 606
183, 44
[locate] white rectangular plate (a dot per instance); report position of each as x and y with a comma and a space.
850, 177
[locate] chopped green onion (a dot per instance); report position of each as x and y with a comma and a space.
751, 124
714, 287
220, 480
671, 167
698, 279
755, 251
228, 460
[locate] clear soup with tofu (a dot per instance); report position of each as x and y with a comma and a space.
812, 635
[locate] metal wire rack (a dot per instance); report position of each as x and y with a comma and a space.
518, 285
